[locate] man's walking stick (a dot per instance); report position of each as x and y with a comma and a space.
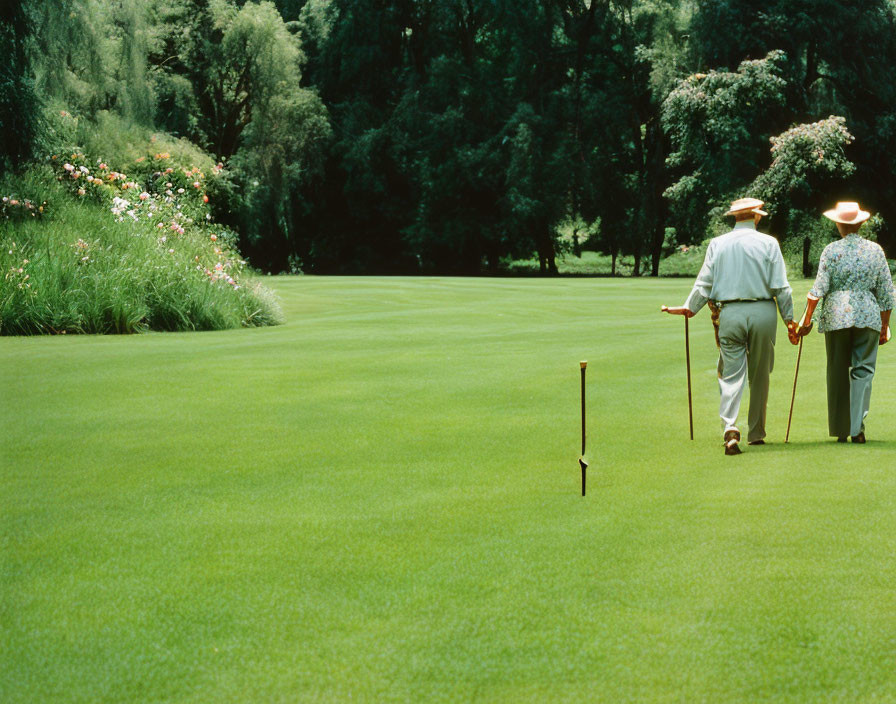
687, 354
582, 461
793, 395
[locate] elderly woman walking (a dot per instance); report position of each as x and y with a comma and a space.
855, 282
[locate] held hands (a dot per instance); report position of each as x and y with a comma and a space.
796, 330
678, 310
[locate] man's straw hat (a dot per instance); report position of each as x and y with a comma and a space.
847, 213
743, 205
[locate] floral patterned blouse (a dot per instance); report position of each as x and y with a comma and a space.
855, 282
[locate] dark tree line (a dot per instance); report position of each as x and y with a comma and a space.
424, 136
465, 132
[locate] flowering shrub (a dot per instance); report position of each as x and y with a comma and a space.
173, 202
804, 156
123, 251
715, 123
12, 208
711, 113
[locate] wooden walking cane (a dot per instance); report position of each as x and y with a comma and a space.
793, 395
687, 354
583, 463
796, 374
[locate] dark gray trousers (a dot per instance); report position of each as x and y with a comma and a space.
852, 357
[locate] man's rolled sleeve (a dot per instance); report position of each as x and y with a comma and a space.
778, 283
784, 298
696, 300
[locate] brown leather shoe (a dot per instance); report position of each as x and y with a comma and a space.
732, 437
756, 442
843, 439
860, 438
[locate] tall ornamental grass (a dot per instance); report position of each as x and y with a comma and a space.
85, 248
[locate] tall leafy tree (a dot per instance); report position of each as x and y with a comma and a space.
359, 70
19, 106
720, 123
624, 54
838, 61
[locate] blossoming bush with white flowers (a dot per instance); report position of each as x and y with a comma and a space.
86, 247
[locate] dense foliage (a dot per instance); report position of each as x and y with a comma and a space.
416, 136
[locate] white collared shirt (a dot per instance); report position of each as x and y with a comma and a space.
743, 264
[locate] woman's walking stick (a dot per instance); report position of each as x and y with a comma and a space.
793, 395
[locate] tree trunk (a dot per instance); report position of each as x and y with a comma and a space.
549, 247
807, 265
656, 214
657, 253
582, 40
493, 259
546, 253
613, 265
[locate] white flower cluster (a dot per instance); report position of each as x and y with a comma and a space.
120, 205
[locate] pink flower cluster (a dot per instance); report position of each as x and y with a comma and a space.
219, 274
10, 205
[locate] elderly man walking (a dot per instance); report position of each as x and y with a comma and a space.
744, 276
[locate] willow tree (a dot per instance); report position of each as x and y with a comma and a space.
228, 75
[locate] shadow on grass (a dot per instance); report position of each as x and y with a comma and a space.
781, 446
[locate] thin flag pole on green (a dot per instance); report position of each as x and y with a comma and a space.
583, 463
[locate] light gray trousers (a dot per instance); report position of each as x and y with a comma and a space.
852, 358
746, 350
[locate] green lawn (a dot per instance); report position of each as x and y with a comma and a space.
380, 501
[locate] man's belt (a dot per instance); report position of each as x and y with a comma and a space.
744, 300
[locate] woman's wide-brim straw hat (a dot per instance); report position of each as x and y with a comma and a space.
746, 205
847, 213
